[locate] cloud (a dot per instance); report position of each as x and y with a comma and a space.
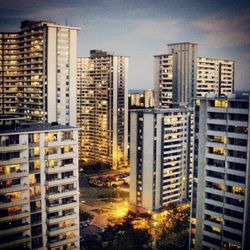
158, 29
225, 29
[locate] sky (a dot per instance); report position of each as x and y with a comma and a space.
141, 29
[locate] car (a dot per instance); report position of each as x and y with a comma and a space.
83, 201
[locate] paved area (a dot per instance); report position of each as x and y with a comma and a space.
107, 205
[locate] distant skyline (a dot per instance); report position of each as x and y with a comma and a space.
141, 29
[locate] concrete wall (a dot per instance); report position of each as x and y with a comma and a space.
51, 74
148, 158
133, 158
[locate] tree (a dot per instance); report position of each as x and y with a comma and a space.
174, 233
125, 237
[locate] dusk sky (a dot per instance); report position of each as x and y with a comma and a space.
141, 29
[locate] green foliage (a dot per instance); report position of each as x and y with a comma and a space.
174, 231
85, 216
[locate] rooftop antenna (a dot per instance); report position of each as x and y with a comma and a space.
66, 22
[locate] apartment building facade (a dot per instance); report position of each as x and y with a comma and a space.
143, 99
103, 108
175, 75
38, 72
220, 200
161, 143
214, 75
39, 194
180, 76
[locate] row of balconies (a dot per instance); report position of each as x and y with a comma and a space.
61, 230
14, 188
15, 242
15, 202
61, 194
18, 215
62, 241
59, 218
61, 206
14, 161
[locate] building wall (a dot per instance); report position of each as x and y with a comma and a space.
133, 160
184, 82
102, 109
160, 164
215, 75
221, 217
43, 55
39, 188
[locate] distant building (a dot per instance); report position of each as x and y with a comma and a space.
214, 76
136, 99
143, 99
175, 75
181, 76
148, 98
39, 194
38, 72
103, 108
161, 143
220, 200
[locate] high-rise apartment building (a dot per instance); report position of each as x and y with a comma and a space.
181, 76
39, 194
220, 201
214, 76
161, 143
103, 108
175, 75
143, 99
38, 72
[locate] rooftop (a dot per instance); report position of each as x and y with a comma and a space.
163, 110
236, 96
27, 24
32, 127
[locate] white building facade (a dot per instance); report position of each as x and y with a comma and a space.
160, 157
220, 202
39, 193
214, 75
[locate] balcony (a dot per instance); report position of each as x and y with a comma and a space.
238, 123
17, 174
57, 169
61, 194
18, 215
215, 144
13, 147
57, 219
236, 159
61, 181
215, 156
217, 121
56, 231
14, 188
62, 241
61, 143
217, 110
57, 207
14, 161
237, 111
14, 229
14, 203
15, 242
